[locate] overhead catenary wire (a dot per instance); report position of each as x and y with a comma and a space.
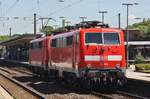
63, 8
8, 10
38, 4
11, 7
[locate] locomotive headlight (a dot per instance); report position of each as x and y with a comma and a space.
118, 66
89, 66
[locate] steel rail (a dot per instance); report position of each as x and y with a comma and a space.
21, 71
119, 93
28, 89
101, 95
130, 95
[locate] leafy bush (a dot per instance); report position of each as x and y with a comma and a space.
142, 66
139, 58
147, 67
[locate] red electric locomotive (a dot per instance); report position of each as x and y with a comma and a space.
91, 56
39, 55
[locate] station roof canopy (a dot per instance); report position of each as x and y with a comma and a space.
21, 39
140, 43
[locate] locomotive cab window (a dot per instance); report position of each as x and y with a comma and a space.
93, 38
111, 38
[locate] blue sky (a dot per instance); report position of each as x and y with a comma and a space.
71, 9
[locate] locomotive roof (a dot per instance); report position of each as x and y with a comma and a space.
89, 29
64, 34
102, 29
39, 39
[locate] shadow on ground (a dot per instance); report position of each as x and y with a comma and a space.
44, 87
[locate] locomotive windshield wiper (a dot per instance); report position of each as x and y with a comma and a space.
93, 43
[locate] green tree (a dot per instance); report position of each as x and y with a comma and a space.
4, 37
143, 27
47, 29
60, 29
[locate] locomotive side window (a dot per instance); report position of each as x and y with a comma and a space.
64, 42
54, 42
69, 40
31, 45
40, 45
35, 45
59, 42
93, 38
111, 38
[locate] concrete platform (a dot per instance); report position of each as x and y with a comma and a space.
137, 75
4, 94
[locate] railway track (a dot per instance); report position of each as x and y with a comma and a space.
66, 93
17, 89
115, 95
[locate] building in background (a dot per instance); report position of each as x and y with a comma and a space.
138, 44
16, 48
